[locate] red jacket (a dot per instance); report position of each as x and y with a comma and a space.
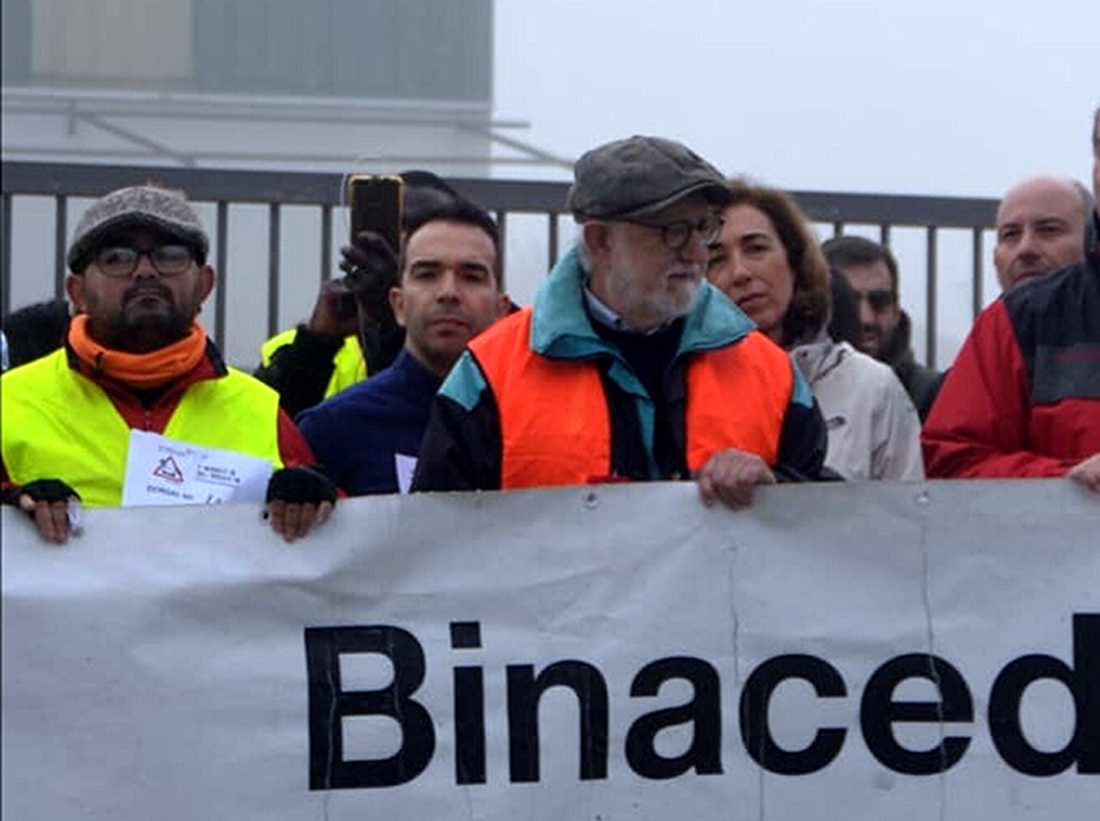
1023, 397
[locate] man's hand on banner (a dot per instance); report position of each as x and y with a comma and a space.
298, 499
730, 476
1087, 473
52, 504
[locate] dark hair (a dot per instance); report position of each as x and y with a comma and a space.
848, 250
809, 308
844, 325
456, 209
36, 330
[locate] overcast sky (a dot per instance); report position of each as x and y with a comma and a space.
950, 97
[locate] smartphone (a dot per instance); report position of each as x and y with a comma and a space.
376, 204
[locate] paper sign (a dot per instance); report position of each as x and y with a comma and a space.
162, 471
405, 467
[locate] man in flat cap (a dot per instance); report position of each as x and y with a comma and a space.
138, 406
629, 365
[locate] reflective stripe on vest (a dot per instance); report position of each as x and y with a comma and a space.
554, 418
58, 424
348, 365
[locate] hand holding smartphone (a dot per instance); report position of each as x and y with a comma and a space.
376, 204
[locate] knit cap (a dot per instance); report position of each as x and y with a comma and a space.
140, 206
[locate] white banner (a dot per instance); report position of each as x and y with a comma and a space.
876, 651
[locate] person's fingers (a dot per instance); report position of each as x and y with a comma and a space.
731, 477
1088, 478
736, 495
354, 256
276, 515
765, 476
293, 521
52, 520
372, 242
307, 515
292, 517
706, 487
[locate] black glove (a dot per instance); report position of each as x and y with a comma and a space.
299, 486
371, 267
40, 490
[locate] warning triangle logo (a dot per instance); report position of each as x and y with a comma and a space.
169, 469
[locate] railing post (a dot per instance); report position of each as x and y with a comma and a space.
222, 286
976, 297
552, 239
502, 229
326, 243
273, 269
5, 254
930, 309
61, 230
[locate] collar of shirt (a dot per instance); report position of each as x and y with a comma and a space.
605, 316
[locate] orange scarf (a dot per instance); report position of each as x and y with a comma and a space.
142, 371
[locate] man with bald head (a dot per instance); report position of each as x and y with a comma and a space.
1040, 228
1023, 397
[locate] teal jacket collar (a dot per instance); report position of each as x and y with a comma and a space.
560, 328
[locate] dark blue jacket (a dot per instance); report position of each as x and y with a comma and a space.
356, 433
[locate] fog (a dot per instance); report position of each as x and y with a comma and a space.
939, 98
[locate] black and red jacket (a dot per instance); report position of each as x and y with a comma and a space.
1023, 397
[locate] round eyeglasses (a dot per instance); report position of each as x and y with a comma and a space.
677, 234
119, 261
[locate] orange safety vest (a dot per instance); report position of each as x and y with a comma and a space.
554, 419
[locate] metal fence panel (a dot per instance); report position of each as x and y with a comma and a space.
226, 188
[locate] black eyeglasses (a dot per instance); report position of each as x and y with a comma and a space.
677, 234
118, 261
879, 299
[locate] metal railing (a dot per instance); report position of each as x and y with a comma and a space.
278, 189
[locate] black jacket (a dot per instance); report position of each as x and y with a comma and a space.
921, 383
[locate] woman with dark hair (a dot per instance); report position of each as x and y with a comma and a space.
767, 260
844, 317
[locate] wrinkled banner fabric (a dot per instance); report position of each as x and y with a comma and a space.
885, 651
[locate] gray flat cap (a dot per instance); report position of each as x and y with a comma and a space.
639, 176
141, 206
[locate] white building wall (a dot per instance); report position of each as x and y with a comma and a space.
112, 81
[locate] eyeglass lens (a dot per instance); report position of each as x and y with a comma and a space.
122, 260
677, 234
